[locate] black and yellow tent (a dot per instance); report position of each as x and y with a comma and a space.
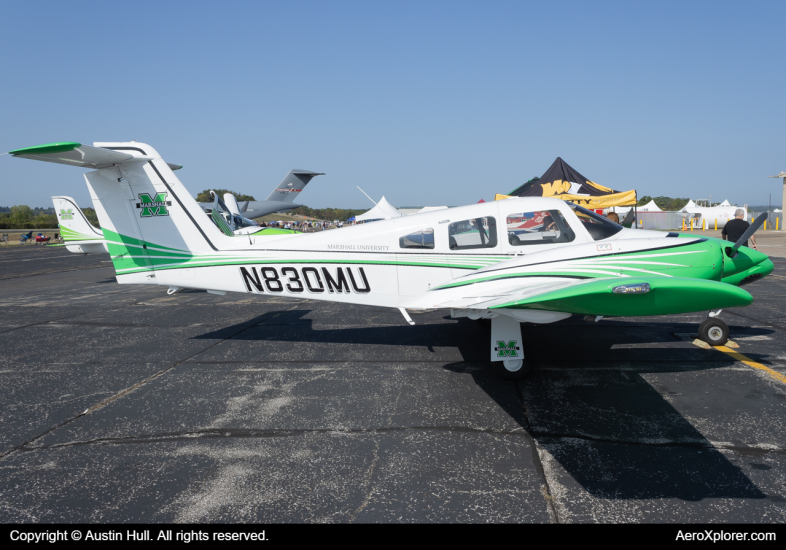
563, 182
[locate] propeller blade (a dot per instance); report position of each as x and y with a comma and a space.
244, 207
628, 221
747, 235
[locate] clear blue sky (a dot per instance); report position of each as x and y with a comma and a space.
425, 102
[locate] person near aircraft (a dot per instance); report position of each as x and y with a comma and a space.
613, 216
548, 223
734, 229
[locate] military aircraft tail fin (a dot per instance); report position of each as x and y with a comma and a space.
292, 185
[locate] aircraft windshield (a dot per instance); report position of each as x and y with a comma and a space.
598, 227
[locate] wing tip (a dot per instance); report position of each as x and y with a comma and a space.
47, 148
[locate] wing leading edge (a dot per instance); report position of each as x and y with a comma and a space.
608, 296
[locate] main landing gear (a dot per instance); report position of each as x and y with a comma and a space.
714, 331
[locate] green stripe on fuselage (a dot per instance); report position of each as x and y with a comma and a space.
696, 260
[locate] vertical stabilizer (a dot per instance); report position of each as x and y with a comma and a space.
292, 185
78, 233
149, 219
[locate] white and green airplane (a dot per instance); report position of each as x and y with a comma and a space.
479, 261
79, 235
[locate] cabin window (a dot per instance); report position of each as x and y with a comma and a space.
539, 227
419, 239
474, 233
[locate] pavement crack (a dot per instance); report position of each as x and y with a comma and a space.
773, 325
548, 495
118, 395
27, 275
369, 483
240, 433
697, 444
43, 322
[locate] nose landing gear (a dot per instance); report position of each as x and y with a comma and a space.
714, 331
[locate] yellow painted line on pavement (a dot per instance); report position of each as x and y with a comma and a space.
751, 363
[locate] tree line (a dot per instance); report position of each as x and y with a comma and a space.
665, 203
341, 214
24, 217
205, 195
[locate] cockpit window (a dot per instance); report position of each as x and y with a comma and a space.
598, 227
539, 227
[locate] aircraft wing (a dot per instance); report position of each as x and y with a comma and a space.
608, 296
487, 295
257, 209
76, 154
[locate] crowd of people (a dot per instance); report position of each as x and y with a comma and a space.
306, 226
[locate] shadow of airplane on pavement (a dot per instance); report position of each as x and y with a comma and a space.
610, 430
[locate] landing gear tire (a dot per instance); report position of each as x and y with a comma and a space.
512, 369
714, 331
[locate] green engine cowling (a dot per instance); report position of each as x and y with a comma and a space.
748, 266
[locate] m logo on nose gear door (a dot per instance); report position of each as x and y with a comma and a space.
153, 206
507, 350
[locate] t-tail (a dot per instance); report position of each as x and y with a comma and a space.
292, 185
78, 233
148, 218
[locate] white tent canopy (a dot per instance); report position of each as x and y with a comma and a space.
650, 207
382, 211
724, 203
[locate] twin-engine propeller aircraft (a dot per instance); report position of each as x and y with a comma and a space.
78, 233
478, 261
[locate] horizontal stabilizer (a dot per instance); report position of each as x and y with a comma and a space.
76, 154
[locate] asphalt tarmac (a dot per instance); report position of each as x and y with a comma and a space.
123, 404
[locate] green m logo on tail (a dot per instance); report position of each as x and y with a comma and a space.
507, 350
67, 214
153, 206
